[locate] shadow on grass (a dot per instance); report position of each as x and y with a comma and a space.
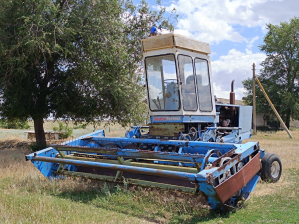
150, 205
211, 215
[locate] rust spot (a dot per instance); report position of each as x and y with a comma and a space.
232, 160
230, 153
232, 185
210, 179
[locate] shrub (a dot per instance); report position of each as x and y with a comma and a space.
35, 147
14, 124
66, 131
83, 126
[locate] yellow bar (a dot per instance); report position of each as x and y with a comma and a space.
149, 165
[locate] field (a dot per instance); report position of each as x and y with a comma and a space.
27, 197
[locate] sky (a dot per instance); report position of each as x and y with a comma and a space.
234, 29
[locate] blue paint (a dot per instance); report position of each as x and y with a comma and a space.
133, 133
199, 147
211, 195
208, 157
46, 168
250, 186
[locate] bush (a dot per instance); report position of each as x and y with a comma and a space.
14, 124
66, 131
35, 147
82, 126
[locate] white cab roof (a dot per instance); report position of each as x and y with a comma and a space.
174, 40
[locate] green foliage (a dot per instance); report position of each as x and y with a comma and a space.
36, 147
280, 71
64, 129
14, 124
81, 126
77, 60
262, 105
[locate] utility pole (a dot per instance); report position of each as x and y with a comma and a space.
253, 101
273, 108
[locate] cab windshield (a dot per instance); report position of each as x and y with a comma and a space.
188, 83
203, 85
162, 82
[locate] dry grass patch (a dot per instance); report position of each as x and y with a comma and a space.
264, 188
287, 149
26, 196
280, 144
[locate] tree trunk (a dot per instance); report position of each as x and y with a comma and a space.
39, 133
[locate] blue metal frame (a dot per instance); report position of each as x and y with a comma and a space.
189, 153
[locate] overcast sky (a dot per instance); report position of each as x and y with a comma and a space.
234, 29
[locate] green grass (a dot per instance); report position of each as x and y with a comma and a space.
33, 200
31, 207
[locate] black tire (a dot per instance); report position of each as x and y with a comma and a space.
271, 168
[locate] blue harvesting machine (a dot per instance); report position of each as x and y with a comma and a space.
191, 143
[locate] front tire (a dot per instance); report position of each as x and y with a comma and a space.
271, 168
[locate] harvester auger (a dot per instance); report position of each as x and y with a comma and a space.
191, 144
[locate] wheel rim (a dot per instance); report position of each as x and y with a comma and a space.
275, 169
239, 166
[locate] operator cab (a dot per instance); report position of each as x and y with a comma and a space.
178, 79
180, 94
179, 86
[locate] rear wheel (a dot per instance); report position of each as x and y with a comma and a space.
271, 168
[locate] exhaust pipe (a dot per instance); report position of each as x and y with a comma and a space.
232, 99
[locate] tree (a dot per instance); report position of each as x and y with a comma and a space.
280, 71
74, 59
